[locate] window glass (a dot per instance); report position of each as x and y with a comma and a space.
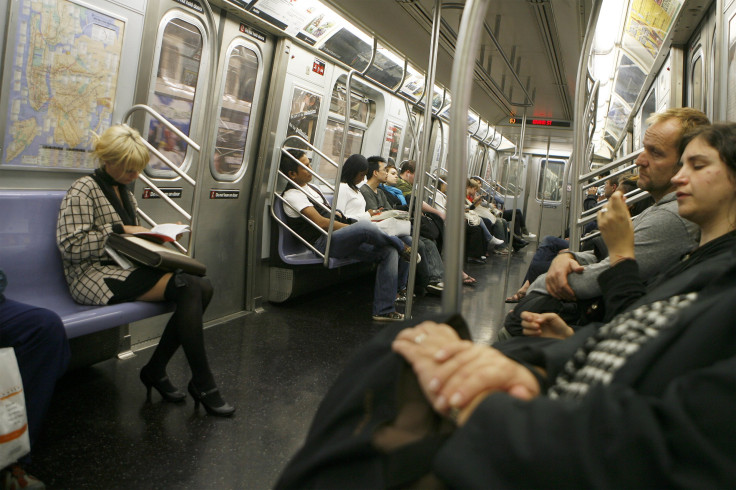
697, 84
362, 109
391, 141
629, 80
173, 96
549, 187
303, 117
235, 112
509, 176
332, 145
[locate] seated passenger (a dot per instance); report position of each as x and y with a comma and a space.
406, 182
643, 401
496, 236
660, 234
349, 199
101, 204
393, 193
361, 240
706, 190
431, 267
39, 340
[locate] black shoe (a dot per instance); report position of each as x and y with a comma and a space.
168, 391
211, 400
519, 244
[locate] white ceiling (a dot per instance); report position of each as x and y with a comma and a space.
542, 38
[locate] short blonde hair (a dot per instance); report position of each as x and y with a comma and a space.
687, 117
121, 145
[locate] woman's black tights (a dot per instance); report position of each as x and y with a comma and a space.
191, 294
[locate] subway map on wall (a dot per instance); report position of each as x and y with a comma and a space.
63, 81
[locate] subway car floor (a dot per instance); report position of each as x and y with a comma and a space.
274, 366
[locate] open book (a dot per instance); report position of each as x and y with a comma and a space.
166, 232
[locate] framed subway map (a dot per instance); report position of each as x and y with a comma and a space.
64, 63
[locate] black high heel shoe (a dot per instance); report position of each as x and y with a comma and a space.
211, 400
168, 391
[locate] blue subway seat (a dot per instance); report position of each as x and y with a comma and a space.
32, 262
293, 252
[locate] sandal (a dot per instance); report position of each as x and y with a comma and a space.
516, 297
469, 281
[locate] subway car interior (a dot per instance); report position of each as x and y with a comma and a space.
539, 101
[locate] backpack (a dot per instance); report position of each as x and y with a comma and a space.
374, 428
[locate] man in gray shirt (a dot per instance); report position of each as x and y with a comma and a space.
375, 199
661, 236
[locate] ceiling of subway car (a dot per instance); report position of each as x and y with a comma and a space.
540, 42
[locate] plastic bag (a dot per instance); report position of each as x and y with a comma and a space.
14, 441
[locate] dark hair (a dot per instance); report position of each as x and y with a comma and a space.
354, 165
719, 136
409, 165
289, 165
628, 184
374, 163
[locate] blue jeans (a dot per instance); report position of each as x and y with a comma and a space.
430, 255
364, 241
543, 257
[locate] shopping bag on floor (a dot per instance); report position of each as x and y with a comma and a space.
14, 441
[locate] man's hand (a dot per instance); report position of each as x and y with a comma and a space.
556, 280
548, 325
616, 228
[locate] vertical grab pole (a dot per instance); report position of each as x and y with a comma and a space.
544, 186
579, 132
425, 155
520, 160
461, 85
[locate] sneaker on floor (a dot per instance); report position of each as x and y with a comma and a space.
528, 236
393, 316
435, 287
15, 477
501, 251
496, 241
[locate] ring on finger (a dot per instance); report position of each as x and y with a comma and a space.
420, 338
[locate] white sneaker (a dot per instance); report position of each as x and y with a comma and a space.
529, 236
496, 241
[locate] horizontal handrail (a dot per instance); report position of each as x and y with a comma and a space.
636, 196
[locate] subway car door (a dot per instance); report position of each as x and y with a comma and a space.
177, 87
246, 56
544, 204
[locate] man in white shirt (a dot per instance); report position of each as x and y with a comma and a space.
361, 240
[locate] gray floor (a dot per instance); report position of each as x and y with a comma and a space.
274, 366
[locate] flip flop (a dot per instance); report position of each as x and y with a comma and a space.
516, 297
469, 281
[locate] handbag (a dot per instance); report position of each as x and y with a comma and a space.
472, 217
374, 428
155, 255
14, 441
394, 226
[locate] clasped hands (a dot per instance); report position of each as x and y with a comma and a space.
455, 374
